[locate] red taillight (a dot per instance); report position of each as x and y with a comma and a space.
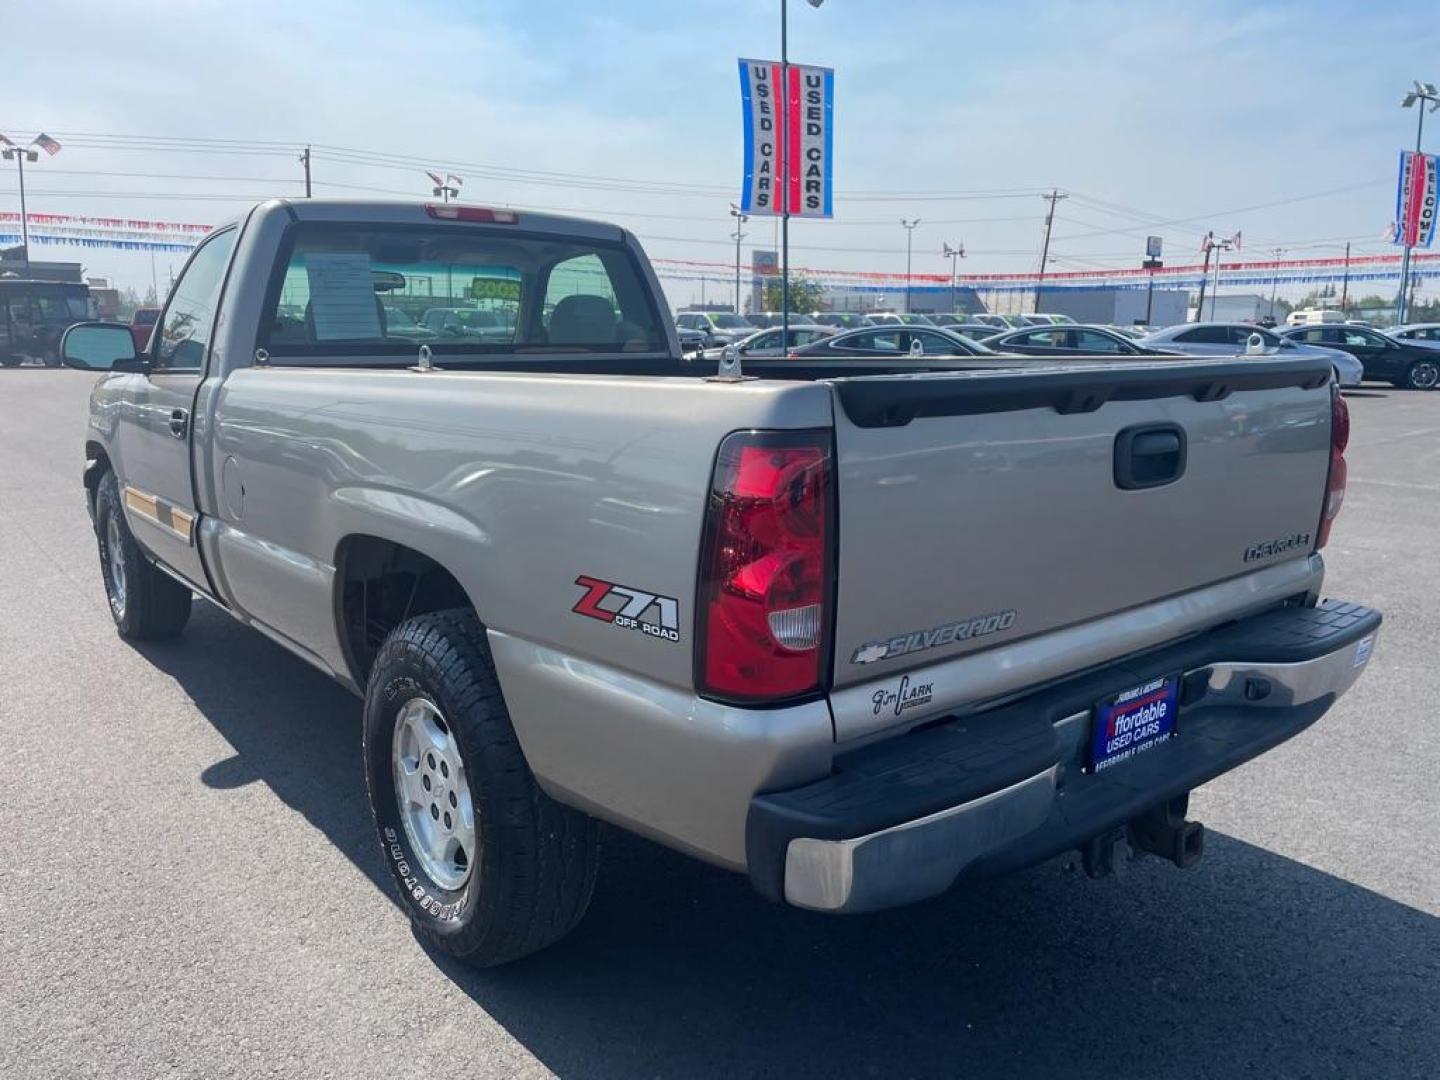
763, 611
482, 214
1335, 480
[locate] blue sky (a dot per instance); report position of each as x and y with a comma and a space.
1191, 115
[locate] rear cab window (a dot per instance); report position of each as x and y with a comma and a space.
344, 291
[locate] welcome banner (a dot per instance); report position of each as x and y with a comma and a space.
1415, 199
789, 139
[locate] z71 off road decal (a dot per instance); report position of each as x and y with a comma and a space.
630, 609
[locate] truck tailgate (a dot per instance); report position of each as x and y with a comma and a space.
982, 507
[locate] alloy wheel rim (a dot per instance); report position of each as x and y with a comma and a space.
1425, 374
433, 794
115, 561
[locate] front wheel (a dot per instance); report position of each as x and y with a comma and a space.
145, 602
489, 867
1422, 375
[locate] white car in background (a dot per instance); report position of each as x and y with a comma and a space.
1231, 339
1416, 333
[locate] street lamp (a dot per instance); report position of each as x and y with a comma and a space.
785, 161
1274, 279
953, 254
740, 219
1423, 92
909, 236
10, 152
446, 189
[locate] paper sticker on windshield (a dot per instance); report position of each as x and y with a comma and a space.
342, 304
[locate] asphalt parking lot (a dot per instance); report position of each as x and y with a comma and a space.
192, 886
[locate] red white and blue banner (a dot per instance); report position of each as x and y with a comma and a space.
789, 139
1415, 199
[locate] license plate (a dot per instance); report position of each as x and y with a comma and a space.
1132, 722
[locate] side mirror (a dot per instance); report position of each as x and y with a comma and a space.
917, 347
99, 346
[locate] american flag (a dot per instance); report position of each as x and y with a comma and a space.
46, 143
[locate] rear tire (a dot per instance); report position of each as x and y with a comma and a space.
10, 360
1422, 375
528, 875
145, 602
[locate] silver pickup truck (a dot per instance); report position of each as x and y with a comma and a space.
858, 628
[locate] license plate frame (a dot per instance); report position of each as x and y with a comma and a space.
1135, 720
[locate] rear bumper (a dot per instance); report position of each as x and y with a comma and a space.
983, 794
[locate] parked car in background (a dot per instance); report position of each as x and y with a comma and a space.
973, 331
457, 323
1135, 331
398, 323
141, 323
999, 322
1071, 341
1419, 333
763, 320
719, 327
33, 315
1040, 318
1231, 339
898, 318
767, 342
691, 341
1411, 364
1314, 317
840, 320
894, 342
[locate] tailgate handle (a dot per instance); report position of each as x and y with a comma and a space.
1149, 455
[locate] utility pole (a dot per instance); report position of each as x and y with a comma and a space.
305, 161
737, 236
1423, 94
1054, 197
1205, 246
953, 254
1345, 281
1274, 278
909, 236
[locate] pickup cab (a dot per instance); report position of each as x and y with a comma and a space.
857, 628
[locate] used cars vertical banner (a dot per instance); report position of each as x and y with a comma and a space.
1415, 199
803, 185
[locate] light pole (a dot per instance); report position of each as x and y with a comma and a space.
953, 254
1423, 93
10, 152
737, 236
909, 236
785, 174
446, 189
1210, 246
1274, 278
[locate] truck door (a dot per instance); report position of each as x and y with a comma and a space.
154, 431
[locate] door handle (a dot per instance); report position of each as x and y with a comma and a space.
179, 422
1149, 455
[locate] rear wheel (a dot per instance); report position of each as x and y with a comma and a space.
10, 360
1422, 375
489, 867
145, 602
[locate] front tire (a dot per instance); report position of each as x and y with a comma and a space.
145, 602
1422, 375
489, 867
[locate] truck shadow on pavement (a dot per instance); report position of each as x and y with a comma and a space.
1251, 964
